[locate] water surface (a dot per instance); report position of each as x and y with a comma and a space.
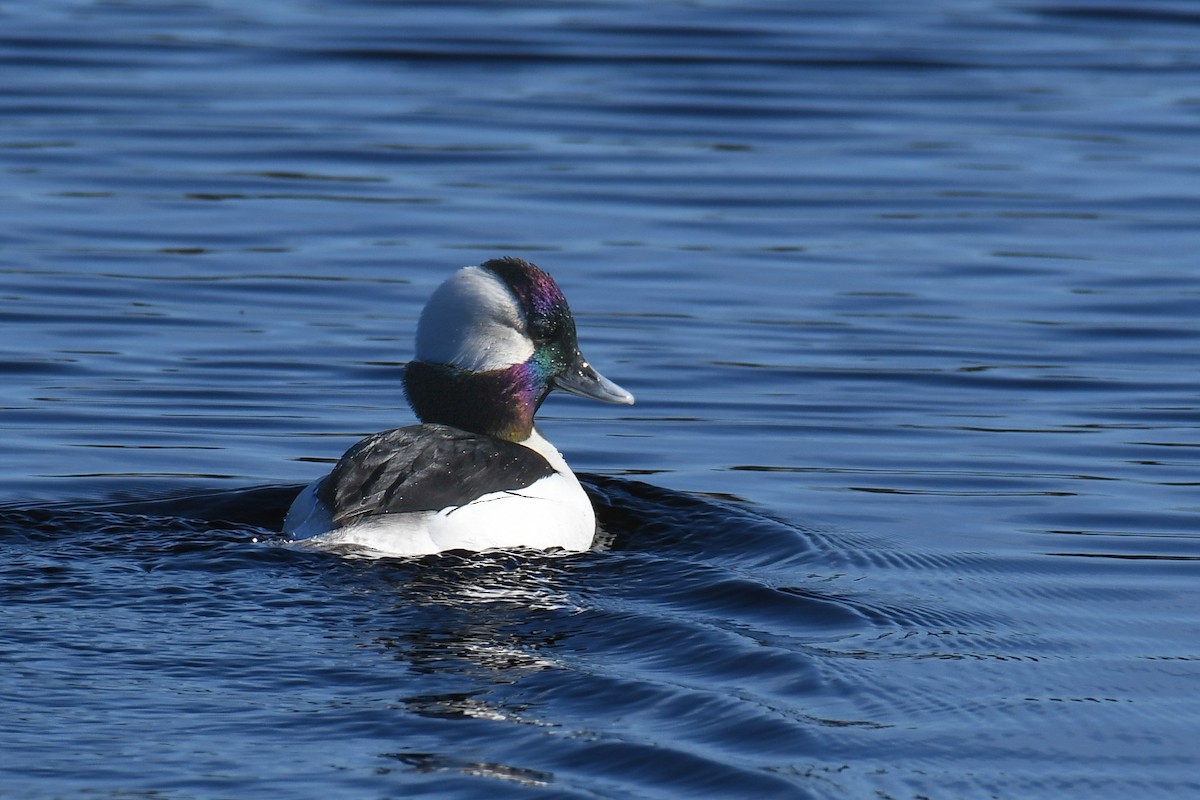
906, 508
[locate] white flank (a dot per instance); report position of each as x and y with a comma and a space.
554, 512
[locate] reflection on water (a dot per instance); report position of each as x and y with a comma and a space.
476, 614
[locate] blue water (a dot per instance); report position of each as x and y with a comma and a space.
907, 293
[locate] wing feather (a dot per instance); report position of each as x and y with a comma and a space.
425, 468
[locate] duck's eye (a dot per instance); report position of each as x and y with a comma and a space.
543, 328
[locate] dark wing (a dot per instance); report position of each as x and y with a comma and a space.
425, 468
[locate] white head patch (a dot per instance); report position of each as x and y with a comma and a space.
474, 322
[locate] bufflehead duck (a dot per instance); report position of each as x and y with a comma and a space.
492, 341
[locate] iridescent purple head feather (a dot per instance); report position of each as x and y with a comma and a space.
547, 314
491, 344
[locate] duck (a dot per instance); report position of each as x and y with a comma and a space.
475, 473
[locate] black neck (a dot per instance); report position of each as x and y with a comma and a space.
498, 403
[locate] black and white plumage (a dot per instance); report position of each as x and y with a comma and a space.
425, 468
492, 342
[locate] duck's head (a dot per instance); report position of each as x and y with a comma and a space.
492, 342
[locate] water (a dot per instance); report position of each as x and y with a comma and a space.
906, 292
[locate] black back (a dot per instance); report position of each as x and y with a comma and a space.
425, 468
